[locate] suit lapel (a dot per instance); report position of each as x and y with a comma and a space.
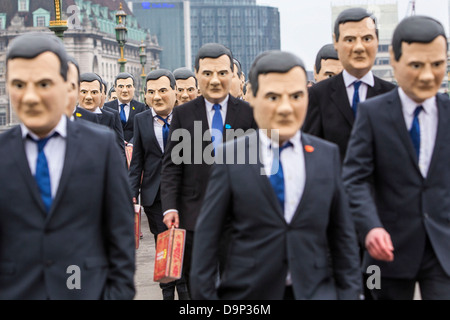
373, 91
131, 115
310, 168
200, 115
443, 127
151, 127
72, 146
17, 143
262, 179
232, 114
398, 121
340, 99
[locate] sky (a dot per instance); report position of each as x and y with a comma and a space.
306, 24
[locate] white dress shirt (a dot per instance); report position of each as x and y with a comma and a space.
126, 108
293, 163
428, 121
366, 81
158, 127
55, 151
210, 110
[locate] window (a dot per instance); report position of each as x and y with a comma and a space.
23, 5
2, 21
41, 18
40, 21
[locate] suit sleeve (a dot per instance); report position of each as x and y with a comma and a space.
358, 174
119, 135
137, 160
172, 173
313, 120
208, 234
118, 228
343, 242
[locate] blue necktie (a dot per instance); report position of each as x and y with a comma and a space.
217, 124
165, 129
123, 117
277, 179
414, 132
356, 85
42, 175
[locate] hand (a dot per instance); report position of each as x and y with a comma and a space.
171, 219
134, 200
379, 245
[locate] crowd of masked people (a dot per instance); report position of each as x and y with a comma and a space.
288, 189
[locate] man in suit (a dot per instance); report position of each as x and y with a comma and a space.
333, 102
90, 98
187, 85
327, 63
127, 107
397, 172
151, 129
66, 221
112, 94
292, 236
117, 126
183, 184
74, 112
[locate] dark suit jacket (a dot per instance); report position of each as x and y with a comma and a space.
319, 246
135, 108
183, 185
90, 223
330, 115
146, 161
111, 119
84, 114
408, 206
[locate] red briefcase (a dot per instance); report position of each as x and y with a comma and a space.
169, 255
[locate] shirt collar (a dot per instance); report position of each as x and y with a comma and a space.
61, 129
209, 105
267, 143
154, 114
368, 79
409, 105
126, 104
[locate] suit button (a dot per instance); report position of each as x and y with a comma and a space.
426, 215
49, 263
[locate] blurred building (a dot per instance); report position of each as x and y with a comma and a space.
170, 22
183, 27
90, 39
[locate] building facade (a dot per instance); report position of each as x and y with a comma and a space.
90, 39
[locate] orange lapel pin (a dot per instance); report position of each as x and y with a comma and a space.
309, 148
